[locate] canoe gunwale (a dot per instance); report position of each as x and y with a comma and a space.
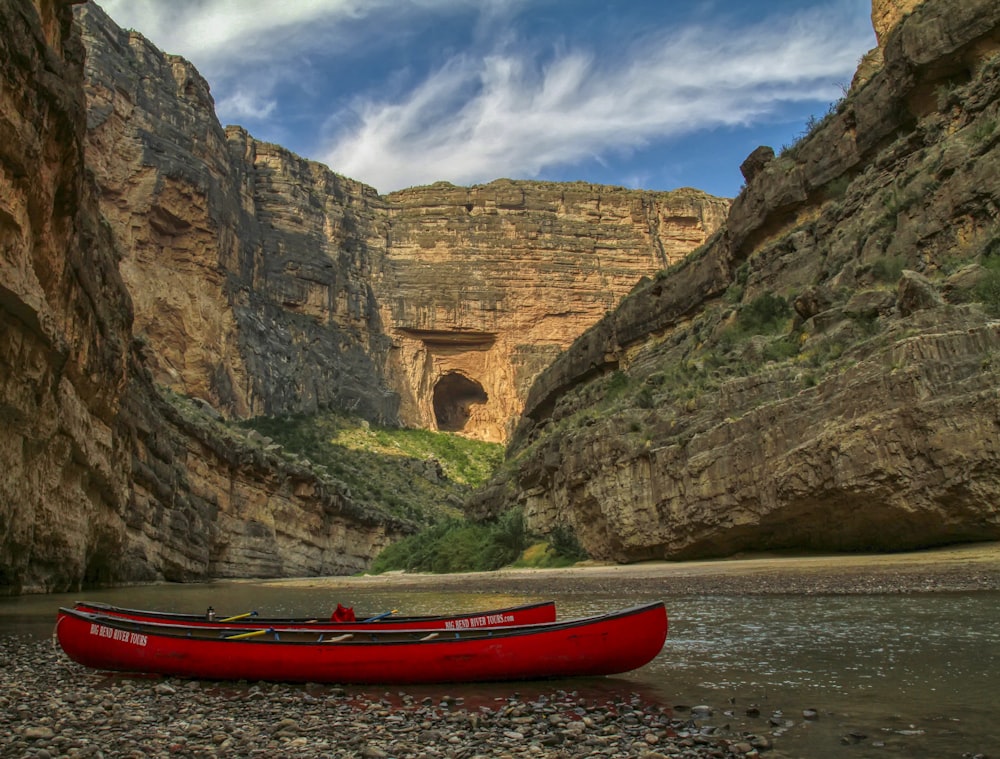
379, 637
545, 610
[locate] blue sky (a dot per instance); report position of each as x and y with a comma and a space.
650, 94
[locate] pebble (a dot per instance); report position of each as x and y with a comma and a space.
53, 707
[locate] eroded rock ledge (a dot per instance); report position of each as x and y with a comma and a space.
102, 481
265, 283
875, 427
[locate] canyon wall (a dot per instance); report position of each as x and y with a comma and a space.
106, 478
484, 286
161, 273
823, 373
65, 316
264, 283
249, 268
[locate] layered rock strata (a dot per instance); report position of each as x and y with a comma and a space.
485, 285
250, 269
679, 427
103, 480
267, 284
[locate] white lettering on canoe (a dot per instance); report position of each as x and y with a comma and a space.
125, 636
484, 620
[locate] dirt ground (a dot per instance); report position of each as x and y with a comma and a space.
972, 567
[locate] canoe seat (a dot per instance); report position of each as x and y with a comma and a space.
345, 636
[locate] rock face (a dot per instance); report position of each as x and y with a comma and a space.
485, 285
103, 479
251, 270
145, 247
706, 415
267, 284
886, 15
65, 318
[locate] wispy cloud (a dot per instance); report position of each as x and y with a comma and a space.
253, 51
500, 102
224, 34
506, 114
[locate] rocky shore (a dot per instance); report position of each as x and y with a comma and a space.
51, 707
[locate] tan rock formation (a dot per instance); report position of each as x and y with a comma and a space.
485, 285
267, 284
886, 15
250, 268
65, 320
871, 421
162, 215
103, 480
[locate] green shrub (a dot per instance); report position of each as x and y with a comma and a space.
563, 542
458, 546
506, 539
734, 293
782, 349
983, 130
644, 399
888, 269
764, 314
987, 291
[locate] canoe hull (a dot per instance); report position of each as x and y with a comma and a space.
603, 645
527, 614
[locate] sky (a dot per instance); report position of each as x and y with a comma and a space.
644, 94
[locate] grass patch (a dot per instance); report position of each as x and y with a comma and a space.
987, 290
457, 546
542, 556
461, 546
417, 474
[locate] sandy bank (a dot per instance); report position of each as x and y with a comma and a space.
974, 567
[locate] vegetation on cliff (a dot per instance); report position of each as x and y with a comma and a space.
460, 545
420, 475
821, 373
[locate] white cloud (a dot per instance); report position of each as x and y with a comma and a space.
503, 115
223, 34
496, 107
246, 105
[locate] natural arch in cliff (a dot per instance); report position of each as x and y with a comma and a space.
454, 394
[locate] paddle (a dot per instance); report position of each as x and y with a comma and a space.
239, 616
383, 615
251, 634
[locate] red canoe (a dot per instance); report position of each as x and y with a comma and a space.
528, 614
601, 645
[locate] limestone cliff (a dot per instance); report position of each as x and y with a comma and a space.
485, 285
886, 15
104, 479
250, 269
144, 246
823, 373
65, 319
268, 284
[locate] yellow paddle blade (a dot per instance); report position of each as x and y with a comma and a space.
250, 634
238, 616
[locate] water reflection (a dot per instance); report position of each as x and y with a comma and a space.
918, 675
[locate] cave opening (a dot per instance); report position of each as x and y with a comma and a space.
454, 395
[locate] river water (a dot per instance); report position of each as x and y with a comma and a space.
913, 675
